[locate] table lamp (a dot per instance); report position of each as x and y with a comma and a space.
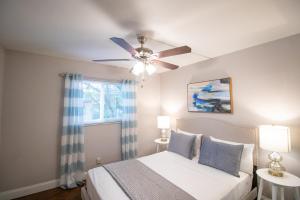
163, 123
276, 139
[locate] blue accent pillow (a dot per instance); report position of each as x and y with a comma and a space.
182, 144
222, 156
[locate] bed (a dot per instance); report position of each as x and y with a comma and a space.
199, 181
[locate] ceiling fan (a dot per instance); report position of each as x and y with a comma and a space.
146, 57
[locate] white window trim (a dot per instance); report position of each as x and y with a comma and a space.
101, 123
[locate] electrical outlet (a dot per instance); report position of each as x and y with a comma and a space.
98, 161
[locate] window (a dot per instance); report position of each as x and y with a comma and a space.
102, 101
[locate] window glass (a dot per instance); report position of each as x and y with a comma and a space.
102, 101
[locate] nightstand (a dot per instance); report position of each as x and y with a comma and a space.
288, 180
159, 143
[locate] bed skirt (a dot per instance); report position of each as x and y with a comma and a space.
250, 196
84, 194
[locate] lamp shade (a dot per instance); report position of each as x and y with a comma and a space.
163, 122
274, 138
138, 68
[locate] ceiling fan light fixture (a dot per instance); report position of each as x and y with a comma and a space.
150, 69
145, 57
138, 68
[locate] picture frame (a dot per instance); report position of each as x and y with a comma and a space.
211, 96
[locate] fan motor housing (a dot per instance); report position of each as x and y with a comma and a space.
144, 53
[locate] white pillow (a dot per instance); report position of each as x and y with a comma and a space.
197, 144
247, 155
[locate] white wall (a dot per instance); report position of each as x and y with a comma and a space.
266, 89
32, 118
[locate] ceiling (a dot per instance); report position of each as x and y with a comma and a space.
80, 29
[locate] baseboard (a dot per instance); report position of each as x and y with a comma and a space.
23, 191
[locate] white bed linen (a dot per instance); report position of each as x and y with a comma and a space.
200, 181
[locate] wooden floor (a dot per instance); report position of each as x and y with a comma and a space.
55, 194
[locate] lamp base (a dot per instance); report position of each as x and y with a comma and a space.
164, 136
275, 173
275, 168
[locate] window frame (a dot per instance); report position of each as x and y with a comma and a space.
99, 121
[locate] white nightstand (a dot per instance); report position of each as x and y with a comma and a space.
288, 180
158, 143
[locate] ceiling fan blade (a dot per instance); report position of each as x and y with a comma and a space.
125, 45
110, 60
174, 51
165, 64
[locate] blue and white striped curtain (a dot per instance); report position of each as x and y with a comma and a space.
129, 124
72, 138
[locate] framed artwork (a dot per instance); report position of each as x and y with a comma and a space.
213, 96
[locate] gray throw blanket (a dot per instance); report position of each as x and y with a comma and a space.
141, 183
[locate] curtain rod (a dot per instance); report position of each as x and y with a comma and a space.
94, 78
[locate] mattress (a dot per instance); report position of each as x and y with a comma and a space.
200, 181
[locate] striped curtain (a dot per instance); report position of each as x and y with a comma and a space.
72, 138
129, 135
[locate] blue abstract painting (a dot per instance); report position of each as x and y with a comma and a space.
210, 96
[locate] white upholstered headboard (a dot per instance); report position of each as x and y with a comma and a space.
219, 129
